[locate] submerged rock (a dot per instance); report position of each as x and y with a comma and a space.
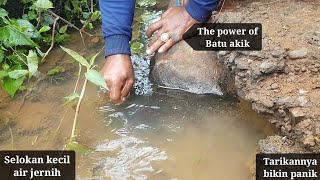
185, 69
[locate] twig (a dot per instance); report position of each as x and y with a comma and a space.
12, 140
52, 38
70, 24
78, 109
18, 55
77, 83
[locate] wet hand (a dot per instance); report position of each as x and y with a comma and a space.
119, 76
175, 22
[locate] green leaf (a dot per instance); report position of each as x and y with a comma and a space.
32, 60
95, 15
76, 56
3, 74
11, 86
71, 97
93, 58
16, 74
54, 71
29, 29
13, 37
79, 148
3, 13
95, 77
63, 29
44, 29
3, 2
5, 66
43, 4
1, 55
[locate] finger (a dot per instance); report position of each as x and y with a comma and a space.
155, 46
126, 89
167, 45
156, 38
154, 27
115, 93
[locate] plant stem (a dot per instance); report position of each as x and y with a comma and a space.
52, 38
78, 109
78, 79
69, 23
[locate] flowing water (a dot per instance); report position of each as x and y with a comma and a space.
157, 134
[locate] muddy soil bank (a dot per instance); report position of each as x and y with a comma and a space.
282, 81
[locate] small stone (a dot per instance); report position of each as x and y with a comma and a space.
222, 53
274, 86
298, 54
297, 112
302, 101
297, 69
272, 65
277, 53
314, 70
267, 102
309, 140
304, 124
303, 69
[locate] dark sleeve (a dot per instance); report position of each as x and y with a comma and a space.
200, 10
117, 17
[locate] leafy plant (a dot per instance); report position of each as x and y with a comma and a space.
90, 75
22, 40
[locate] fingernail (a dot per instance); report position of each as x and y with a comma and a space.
123, 99
160, 50
148, 51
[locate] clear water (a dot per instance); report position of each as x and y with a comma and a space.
157, 134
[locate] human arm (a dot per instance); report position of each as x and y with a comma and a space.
177, 20
117, 17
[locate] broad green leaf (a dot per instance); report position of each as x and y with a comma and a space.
1, 55
3, 13
44, 29
43, 4
63, 29
32, 60
28, 28
54, 71
71, 97
3, 2
11, 86
79, 148
95, 77
12, 37
3, 74
16, 74
76, 56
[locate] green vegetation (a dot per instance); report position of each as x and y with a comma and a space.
25, 42
90, 75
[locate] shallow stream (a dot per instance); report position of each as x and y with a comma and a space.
157, 134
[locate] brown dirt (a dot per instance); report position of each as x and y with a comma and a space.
279, 85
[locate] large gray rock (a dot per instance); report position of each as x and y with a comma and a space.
185, 69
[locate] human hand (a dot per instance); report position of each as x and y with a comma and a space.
119, 76
175, 22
